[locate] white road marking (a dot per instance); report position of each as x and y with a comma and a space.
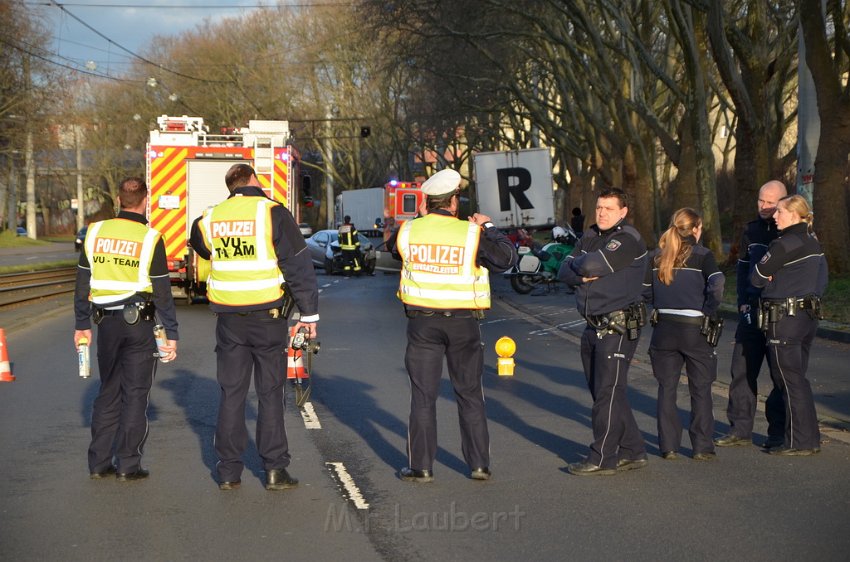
351, 489
311, 420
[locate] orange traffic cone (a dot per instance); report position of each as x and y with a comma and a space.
5, 367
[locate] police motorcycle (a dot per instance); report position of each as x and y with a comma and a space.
538, 266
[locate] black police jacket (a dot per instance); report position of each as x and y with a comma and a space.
794, 266
757, 236
618, 257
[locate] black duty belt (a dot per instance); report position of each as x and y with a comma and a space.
681, 319
273, 312
130, 312
461, 313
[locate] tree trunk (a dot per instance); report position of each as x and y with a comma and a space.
637, 183
830, 190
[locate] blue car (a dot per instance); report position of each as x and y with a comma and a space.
22, 231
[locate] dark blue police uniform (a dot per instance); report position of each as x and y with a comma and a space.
618, 258
455, 335
793, 276
126, 356
751, 346
680, 309
253, 338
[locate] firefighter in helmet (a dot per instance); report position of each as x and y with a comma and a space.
349, 244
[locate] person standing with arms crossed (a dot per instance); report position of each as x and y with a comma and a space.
793, 276
445, 288
750, 343
254, 245
122, 278
607, 269
686, 287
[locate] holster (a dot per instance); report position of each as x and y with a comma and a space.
625, 322
712, 328
772, 311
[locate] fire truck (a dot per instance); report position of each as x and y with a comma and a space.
401, 201
185, 176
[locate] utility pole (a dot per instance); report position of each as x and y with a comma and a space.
12, 197
329, 169
808, 121
29, 165
81, 207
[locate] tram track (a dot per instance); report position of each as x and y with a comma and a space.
22, 288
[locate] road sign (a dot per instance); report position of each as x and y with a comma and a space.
515, 187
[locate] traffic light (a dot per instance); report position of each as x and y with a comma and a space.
365, 132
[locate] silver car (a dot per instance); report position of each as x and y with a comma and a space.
325, 252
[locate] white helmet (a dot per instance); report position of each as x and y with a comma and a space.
558, 231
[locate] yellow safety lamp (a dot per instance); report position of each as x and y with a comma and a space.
505, 349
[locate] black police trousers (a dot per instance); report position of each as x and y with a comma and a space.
789, 342
458, 340
747, 357
673, 345
606, 366
119, 424
249, 343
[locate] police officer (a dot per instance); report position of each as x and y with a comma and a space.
750, 343
686, 287
349, 245
122, 277
607, 269
793, 276
445, 287
254, 246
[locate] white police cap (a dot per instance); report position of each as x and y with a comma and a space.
441, 183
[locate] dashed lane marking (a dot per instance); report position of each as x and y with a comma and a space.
350, 489
311, 420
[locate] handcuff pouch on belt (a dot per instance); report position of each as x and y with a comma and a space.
626, 322
772, 311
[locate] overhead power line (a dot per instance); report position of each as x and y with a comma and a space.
63, 65
196, 6
141, 58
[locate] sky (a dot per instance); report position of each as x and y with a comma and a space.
131, 24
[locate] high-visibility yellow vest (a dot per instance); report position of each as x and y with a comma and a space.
438, 264
243, 269
120, 252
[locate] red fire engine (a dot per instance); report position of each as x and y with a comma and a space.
185, 176
401, 203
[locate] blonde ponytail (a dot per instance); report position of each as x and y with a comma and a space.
674, 250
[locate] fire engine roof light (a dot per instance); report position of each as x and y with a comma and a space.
393, 183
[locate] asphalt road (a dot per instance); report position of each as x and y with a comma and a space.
23, 255
745, 505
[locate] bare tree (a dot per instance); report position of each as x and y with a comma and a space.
828, 58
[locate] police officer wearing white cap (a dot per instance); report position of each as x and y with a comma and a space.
445, 289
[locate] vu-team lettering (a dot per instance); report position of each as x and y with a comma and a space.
436, 258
